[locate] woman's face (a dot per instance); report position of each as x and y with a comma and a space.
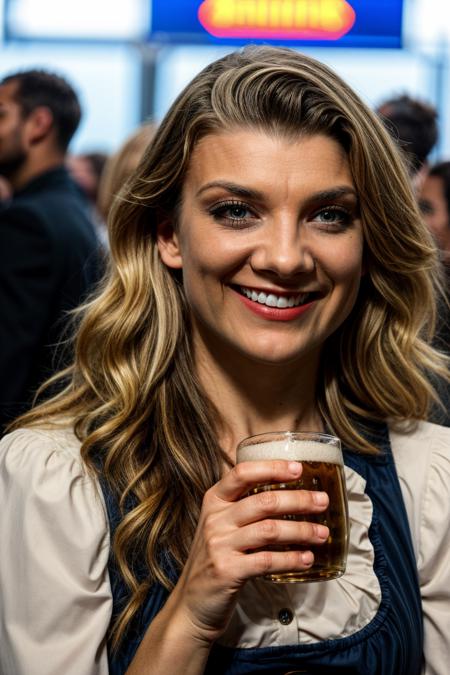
435, 212
270, 244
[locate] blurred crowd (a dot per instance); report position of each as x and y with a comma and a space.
54, 210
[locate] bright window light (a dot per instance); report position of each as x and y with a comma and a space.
79, 19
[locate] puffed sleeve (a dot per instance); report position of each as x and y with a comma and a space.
55, 592
434, 558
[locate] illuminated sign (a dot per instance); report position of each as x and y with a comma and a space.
280, 19
339, 23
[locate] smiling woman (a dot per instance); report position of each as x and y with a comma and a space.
270, 271
250, 246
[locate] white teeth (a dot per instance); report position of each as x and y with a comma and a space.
272, 300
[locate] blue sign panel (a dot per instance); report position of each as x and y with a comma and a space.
317, 23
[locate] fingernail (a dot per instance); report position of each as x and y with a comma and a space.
321, 531
307, 558
320, 498
295, 468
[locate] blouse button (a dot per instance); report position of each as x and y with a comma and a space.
285, 616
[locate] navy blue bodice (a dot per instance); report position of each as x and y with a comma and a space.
391, 644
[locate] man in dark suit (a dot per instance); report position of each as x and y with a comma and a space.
49, 255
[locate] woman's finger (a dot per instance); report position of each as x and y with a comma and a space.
246, 475
260, 563
271, 503
276, 532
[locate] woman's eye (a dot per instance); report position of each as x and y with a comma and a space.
334, 217
426, 207
233, 213
237, 212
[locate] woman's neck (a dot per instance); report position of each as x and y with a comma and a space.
254, 398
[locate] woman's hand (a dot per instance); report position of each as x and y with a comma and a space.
233, 539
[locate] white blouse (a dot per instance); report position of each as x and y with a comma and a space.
55, 601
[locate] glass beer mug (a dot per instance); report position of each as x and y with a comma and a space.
323, 469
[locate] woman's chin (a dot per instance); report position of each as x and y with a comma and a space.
279, 357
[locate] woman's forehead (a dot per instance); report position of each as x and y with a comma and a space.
255, 156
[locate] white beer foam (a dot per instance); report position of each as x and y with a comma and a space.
300, 451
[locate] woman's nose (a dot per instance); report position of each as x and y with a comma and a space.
284, 249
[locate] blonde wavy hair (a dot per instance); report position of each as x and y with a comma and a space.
132, 393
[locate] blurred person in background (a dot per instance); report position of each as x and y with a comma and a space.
5, 191
413, 125
121, 165
86, 170
434, 201
48, 246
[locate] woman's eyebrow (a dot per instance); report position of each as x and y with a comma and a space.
234, 188
250, 193
333, 193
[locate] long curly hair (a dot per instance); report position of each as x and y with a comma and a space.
132, 394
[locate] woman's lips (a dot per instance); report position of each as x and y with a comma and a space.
274, 313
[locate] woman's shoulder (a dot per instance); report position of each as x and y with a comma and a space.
50, 500
418, 430
42, 441
416, 445
422, 459
421, 451
43, 479
44, 460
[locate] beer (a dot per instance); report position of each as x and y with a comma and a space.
321, 458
